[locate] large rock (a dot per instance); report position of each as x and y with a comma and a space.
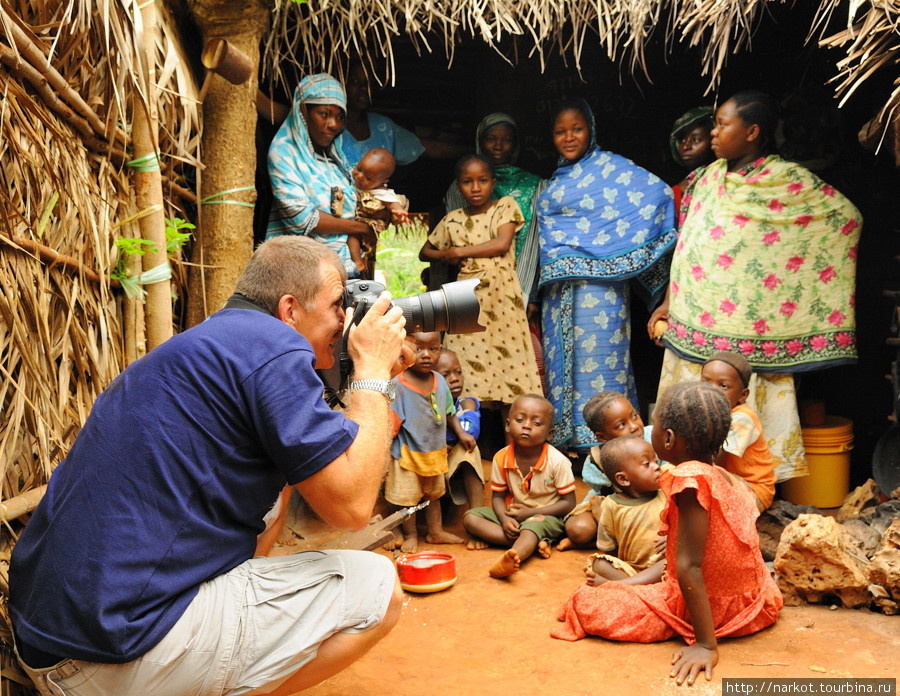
884, 569
866, 538
771, 523
861, 497
818, 561
881, 517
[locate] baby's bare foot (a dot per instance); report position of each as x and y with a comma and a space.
443, 537
395, 542
474, 544
544, 549
594, 580
507, 565
564, 545
410, 544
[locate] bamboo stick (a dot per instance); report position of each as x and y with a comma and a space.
148, 191
14, 508
54, 258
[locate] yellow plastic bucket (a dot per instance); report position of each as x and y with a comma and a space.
828, 455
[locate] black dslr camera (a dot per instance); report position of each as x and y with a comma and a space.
453, 308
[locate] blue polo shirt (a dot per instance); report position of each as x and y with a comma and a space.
167, 485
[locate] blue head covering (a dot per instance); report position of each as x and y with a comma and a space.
602, 216
320, 88
585, 108
305, 182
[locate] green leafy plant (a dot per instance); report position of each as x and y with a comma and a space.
398, 257
177, 234
176, 237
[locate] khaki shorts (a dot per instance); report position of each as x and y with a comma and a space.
404, 487
253, 626
458, 460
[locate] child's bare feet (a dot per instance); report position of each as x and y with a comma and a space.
564, 545
443, 537
475, 544
507, 565
410, 544
594, 580
395, 542
544, 549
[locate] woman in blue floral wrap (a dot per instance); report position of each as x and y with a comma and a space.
603, 220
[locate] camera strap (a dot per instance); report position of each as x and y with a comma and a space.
239, 301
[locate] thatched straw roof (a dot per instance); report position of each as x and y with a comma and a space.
71, 77
319, 34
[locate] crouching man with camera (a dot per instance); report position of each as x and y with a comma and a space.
135, 574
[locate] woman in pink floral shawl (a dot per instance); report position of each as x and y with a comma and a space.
765, 265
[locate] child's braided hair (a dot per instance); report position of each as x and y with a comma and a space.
699, 414
594, 408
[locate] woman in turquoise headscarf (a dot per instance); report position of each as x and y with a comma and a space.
603, 220
311, 183
497, 138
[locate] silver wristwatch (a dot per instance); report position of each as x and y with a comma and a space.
382, 386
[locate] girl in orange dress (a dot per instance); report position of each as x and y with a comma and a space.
716, 585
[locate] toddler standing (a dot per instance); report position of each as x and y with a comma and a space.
421, 411
745, 451
718, 585
465, 476
532, 489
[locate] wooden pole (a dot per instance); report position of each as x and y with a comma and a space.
22, 504
148, 190
224, 237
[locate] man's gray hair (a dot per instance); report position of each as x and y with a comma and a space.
286, 265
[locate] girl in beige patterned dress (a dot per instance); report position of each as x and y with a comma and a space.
499, 362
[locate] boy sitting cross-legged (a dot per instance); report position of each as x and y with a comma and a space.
533, 489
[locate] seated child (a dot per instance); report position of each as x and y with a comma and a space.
628, 530
745, 452
376, 205
532, 489
421, 411
717, 585
609, 415
465, 476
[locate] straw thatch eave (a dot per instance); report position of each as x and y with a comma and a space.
72, 77
318, 35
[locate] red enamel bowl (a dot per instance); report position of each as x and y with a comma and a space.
426, 571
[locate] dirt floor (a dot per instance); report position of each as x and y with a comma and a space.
486, 636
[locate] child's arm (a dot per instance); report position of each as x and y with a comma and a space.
274, 524
466, 440
560, 508
398, 212
470, 418
497, 246
647, 576
693, 525
429, 252
509, 524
